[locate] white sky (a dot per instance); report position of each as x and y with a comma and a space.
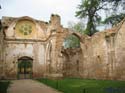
40, 9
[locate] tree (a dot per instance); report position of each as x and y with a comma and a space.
90, 9
73, 41
78, 27
117, 14
114, 19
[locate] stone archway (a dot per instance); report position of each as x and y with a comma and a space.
25, 65
72, 55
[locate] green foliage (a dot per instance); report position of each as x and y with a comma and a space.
72, 85
78, 27
90, 10
114, 19
3, 86
71, 42
117, 14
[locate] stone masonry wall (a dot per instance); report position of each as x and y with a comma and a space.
100, 56
103, 55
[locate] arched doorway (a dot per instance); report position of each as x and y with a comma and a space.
25, 65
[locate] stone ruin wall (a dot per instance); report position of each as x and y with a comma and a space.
1, 54
73, 62
40, 46
101, 56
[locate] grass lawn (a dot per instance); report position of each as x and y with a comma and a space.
3, 86
86, 86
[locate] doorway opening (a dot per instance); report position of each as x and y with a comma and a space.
25, 65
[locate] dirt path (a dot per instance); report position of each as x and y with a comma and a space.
29, 86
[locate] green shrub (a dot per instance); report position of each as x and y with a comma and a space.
3, 86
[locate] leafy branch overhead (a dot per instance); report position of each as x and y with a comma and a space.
90, 10
113, 19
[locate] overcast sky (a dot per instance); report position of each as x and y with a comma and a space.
40, 9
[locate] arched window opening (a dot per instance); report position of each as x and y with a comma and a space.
71, 41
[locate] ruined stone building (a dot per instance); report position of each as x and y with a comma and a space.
32, 48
